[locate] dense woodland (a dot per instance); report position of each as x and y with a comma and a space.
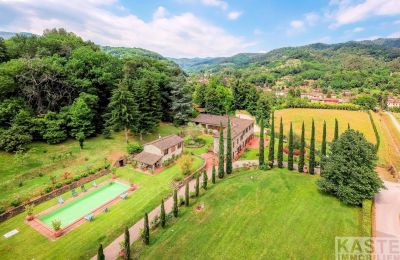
57, 86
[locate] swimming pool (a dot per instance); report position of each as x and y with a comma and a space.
84, 205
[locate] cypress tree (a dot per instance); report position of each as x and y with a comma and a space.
100, 253
163, 219
229, 148
302, 149
311, 163
323, 146
221, 153
213, 174
197, 187
205, 180
127, 245
146, 230
348, 125
290, 153
336, 133
271, 151
280, 146
175, 208
261, 160
187, 195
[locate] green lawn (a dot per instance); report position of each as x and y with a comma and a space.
82, 243
257, 215
208, 139
26, 177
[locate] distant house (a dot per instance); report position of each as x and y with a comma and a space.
393, 102
312, 96
156, 152
242, 130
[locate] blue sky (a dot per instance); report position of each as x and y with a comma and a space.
201, 28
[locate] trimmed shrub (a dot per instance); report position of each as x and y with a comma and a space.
134, 148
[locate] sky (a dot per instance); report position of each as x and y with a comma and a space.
206, 28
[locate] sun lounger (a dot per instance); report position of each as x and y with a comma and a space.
89, 217
94, 184
60, 200
124, 195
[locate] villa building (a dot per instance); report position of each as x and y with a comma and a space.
393, 102
242, 131
160, 150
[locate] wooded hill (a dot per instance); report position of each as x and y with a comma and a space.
365, 64
57, 86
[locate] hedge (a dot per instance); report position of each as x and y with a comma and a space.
378, 138
320, 105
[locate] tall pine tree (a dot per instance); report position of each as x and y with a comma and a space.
221, 153
123, 110
323, 146
311, 162
181, 101
127, 245
205, 180
187, 195
228, 148
213, 173
280, 145
336, 133
261, 160
175, 209
291, 146
146, 230
163, 219
302, 149
271, 151
100, 253
197, 187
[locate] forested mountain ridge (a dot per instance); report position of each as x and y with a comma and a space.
384, 48
58, 86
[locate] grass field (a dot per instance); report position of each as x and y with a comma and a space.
358, 120
23, 176
82, 243
257, 215
388, 155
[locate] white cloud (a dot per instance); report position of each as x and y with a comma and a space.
216, 3
234, 15
183, 35
160, 13
348, 12
358, 29
297, 24
394, 35
311, 18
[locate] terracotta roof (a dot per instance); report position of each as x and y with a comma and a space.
166, 142
147, 158
238, 125
211, 119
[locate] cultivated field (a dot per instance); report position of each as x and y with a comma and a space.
358, 120
82, 242
254, 215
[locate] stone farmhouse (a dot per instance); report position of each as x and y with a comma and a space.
158, 151
242, 131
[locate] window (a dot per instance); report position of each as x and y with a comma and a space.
179, 145
165, 151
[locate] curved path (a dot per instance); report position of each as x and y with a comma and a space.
394, 120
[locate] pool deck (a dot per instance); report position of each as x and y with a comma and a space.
49, 232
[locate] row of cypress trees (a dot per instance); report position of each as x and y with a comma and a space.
290, 164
